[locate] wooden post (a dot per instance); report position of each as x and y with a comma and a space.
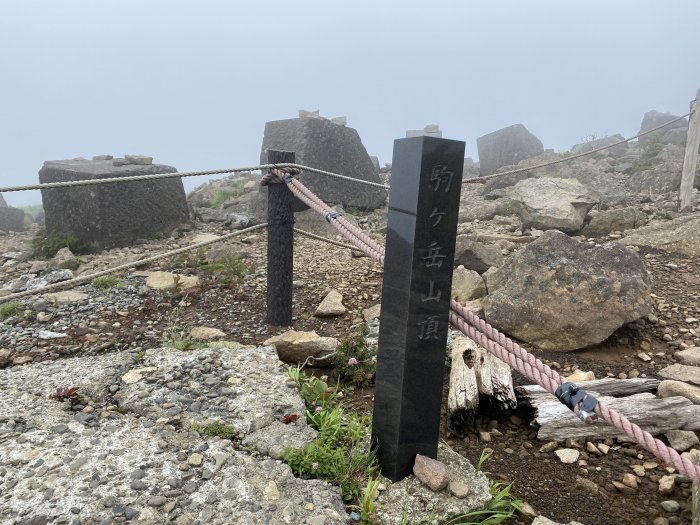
280, 246
691, 155
696, 494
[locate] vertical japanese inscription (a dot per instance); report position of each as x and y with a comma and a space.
421, 230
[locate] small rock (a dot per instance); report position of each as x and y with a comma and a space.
431, 472
670, 505
195, 459
157, 501
47, 335
138, 159
204, 332
666, 484
484, 436
682, 440
580, 375
372, 312
630, 480
331, 306
458, 489
549, 447
567, 455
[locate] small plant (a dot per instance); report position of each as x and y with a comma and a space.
9, 309
45, 246
191, 259
367, 507
337, 455
105, 282
485, 456
182, 341
228, 271
353, 360
217, 429
502, 507
63, 394
139, 356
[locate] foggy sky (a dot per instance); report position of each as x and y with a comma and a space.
193, 83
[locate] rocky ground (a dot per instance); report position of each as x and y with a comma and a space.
125, 449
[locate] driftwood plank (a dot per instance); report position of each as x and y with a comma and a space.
607, 386
475, 372
656, 416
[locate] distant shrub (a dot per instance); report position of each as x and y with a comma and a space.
105, 282
9, 309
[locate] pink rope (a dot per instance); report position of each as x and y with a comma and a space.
497, 343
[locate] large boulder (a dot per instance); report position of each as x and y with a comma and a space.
619, 149
319, 143
111, 215
679, 235
505, 147
653, 119
660, 173
11, 219
559, 294
476, 255
620, 219
548, 203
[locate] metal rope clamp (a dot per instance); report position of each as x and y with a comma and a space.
332, 215
571, 395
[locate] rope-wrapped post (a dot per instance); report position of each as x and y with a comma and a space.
280, 245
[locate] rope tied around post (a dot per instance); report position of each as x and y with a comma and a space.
279, 175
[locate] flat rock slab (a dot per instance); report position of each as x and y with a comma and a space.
166, 280
66, 297
680, 235
246, 389
58, 463
331, 306
419, 503
691, 356
678, 372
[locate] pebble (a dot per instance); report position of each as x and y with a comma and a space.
670, 505
666, 484
567, 455
458, 489
195, 459
157, 501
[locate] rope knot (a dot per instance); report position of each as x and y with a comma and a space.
279, 175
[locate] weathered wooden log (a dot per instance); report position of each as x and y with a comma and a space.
657, 416
607, 386
476, 373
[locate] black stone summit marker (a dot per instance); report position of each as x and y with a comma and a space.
421, 230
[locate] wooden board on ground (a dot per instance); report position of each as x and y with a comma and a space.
657, 416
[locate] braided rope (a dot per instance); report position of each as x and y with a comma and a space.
481, 180
509, 351
84, 278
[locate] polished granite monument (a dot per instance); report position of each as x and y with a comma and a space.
420, 243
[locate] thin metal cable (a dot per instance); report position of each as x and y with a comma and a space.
160, 176
481, 180
324, 239
84, 278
